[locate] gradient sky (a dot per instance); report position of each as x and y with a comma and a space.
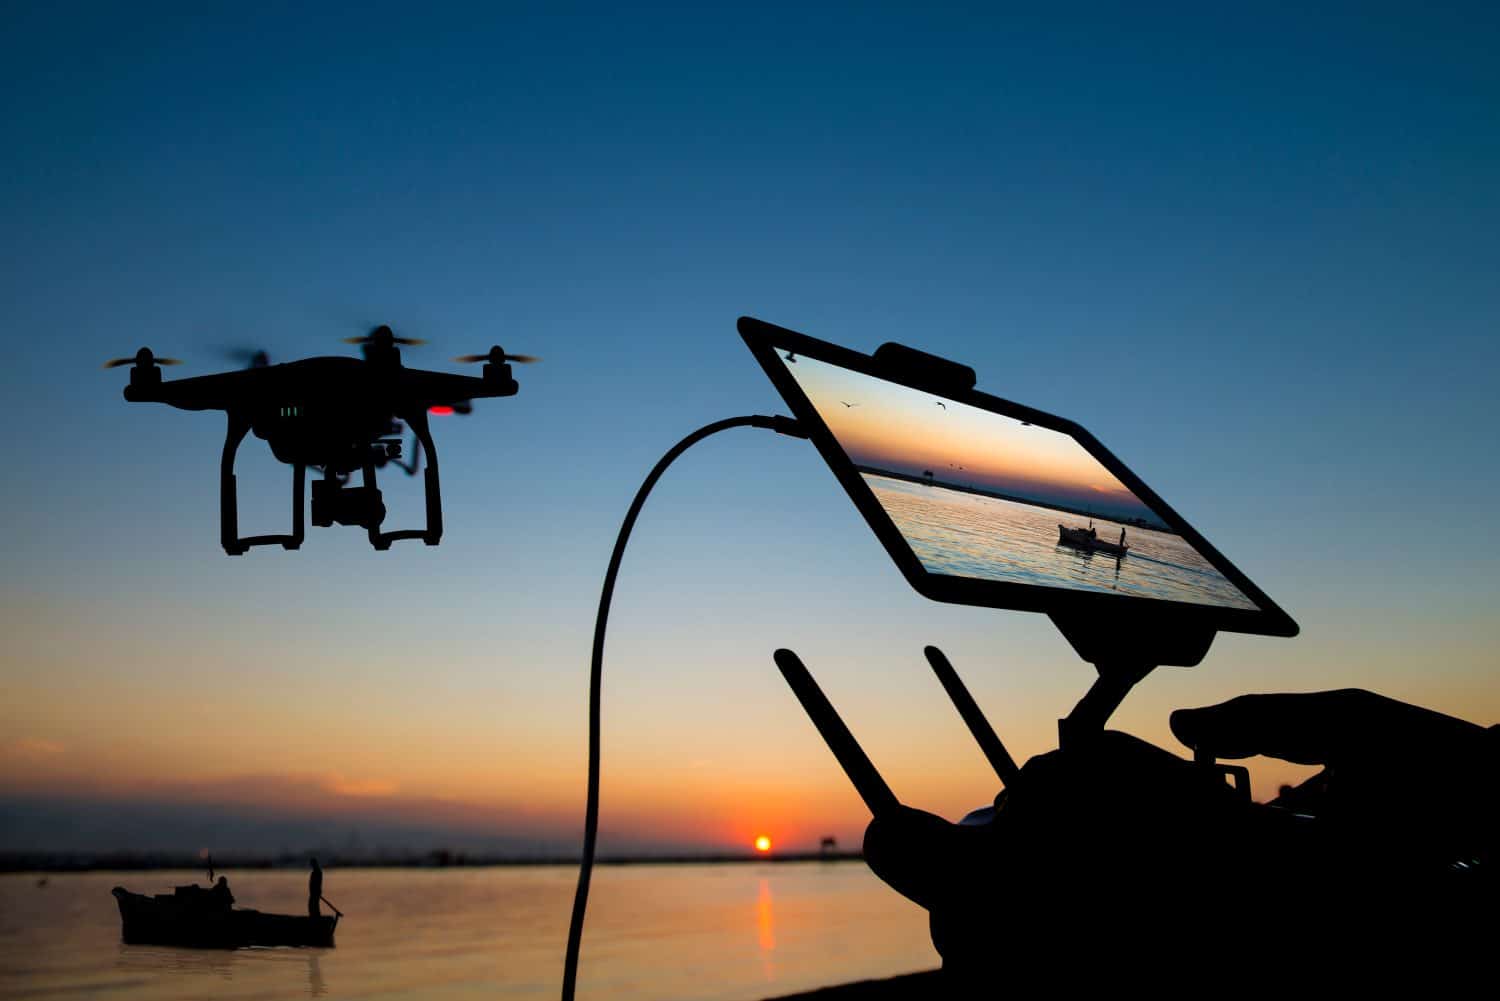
1252, 250
888, 426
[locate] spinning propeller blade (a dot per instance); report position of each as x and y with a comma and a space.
495, 354
147, 360
368, 339
383, 333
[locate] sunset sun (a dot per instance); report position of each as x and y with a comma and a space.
762, 844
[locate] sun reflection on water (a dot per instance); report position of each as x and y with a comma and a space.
766, 926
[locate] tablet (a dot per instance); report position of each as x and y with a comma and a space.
981, 501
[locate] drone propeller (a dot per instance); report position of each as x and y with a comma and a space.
496, 356
383, 334
141, 357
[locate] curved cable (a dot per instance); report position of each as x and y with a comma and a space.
781, 425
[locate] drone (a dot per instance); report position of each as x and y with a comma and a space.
408, 459
336, 415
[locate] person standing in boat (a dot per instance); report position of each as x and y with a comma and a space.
222, 899
1122, 536
314, 890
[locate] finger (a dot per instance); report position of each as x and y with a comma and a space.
1307, 728
1322, 727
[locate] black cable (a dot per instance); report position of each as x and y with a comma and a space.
781, 425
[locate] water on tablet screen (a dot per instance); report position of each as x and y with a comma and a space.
981, 495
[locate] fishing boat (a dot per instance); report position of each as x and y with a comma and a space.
195, 917
1087, 540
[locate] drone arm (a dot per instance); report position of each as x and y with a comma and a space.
219, 391
449, 388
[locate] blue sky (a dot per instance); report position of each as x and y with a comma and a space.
1253, 251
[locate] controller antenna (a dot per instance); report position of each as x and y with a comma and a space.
984, 734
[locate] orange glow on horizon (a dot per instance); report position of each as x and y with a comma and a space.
894, 427
762, 844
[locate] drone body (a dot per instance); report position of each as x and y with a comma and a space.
335, 414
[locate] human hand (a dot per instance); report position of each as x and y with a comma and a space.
1401, 781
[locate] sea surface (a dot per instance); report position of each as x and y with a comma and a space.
654, 931
970, 535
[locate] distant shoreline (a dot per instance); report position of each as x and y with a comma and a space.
44, 863
1080, 512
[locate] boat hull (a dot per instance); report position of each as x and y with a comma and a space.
1085, 540
166, 920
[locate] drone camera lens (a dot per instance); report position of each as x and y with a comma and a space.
359, 506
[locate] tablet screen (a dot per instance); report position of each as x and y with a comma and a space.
981, 495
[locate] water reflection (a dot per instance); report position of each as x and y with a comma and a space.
970, 535
315, 986
660, 933
766, 926
1080, 562
215, 963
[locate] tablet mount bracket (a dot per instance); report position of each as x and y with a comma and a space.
1123, 648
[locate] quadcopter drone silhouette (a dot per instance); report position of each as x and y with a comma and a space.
337, 415
409, 458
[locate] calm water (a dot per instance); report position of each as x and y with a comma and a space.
706, 931
968, 535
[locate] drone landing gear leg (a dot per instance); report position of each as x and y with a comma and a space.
229, 522
433, 533
299, 485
